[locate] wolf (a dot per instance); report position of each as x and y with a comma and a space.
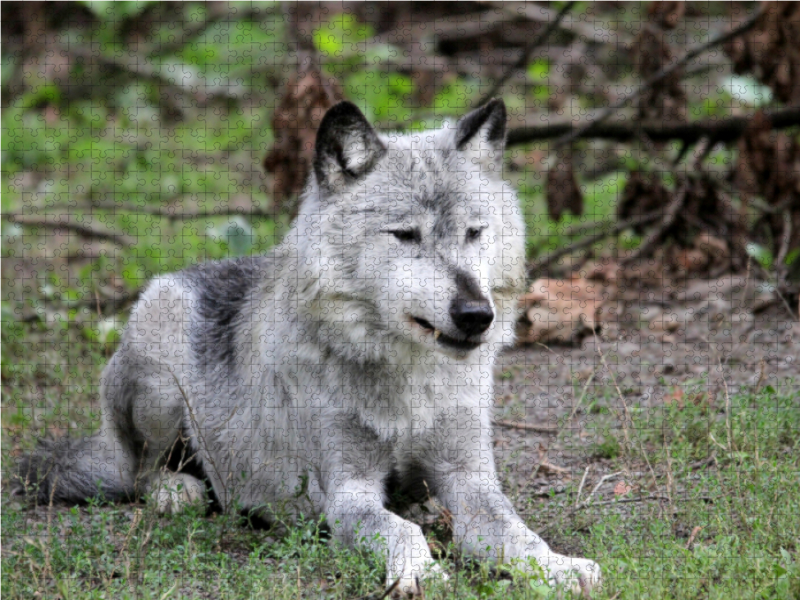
354, 359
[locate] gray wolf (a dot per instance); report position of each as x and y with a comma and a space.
354, 357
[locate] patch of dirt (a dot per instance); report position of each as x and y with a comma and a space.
722, 335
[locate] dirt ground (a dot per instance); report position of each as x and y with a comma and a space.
711, 339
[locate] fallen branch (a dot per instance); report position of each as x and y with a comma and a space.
390, 589
525, 426
176, 213
719, 130
661, 75
547, 466
526, 55
585, 31
83, 230
536, 267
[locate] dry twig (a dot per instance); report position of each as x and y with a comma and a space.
692, 536
545, 262
655, 237
174, 212
84, 230
525, 426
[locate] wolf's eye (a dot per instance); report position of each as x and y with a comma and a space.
473, 234
407, 236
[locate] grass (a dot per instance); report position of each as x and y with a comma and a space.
726, 465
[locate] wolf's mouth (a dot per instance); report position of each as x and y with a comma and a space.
445, 340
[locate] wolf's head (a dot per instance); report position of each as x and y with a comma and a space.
411, 238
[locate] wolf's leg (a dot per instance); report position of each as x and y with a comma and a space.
355, 511
353, 469
158, 415
485, 523
147, 396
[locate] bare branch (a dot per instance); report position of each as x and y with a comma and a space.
525, 426
662, 74
83, 230
526, 54
718, 130
669, 218
174, 212
131, 62
536, 267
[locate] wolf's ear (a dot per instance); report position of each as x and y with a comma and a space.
347, 147
482, 133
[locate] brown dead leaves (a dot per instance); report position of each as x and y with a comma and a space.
306, 97
666, 15
768, 163
679, 398
643, 194
623, 488
559, 310
708, 254
563, 193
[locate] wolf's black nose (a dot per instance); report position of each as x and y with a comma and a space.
471, 316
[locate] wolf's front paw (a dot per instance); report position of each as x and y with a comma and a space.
411, 583
578, 575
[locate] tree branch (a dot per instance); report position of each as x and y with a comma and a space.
176, 213
724, 130
524, 426
537, 266
649, 244
526, 54
83, 230
662, 74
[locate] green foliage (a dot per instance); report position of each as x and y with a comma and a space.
760, 254
544, 234
608, 448
341, 34
116, 12
539, 74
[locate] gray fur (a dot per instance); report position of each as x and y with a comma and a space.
309, 378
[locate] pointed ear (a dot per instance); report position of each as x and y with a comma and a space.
347, 147
482, 133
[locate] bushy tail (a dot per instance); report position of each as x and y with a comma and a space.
73, 471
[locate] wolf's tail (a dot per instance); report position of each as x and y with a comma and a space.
71, 470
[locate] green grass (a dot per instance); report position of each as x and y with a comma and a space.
727, 465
